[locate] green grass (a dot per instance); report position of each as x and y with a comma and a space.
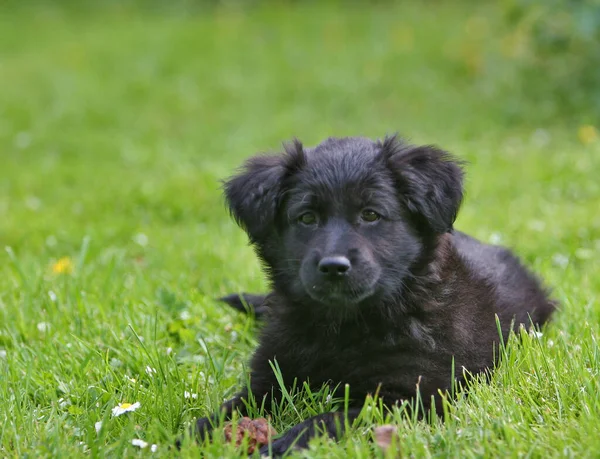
116, 125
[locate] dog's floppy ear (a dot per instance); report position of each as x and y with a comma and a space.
254, 194
430, 180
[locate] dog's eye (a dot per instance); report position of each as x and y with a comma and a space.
370, 216
308, 218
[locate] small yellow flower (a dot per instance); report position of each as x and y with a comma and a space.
587, 134
403, 38
63, 266
476, 27
122, 408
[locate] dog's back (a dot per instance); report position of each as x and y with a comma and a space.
518, 292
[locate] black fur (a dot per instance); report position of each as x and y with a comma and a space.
371, 286
248, 303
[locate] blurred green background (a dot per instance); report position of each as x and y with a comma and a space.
118, 119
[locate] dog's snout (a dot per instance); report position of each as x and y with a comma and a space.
334, 266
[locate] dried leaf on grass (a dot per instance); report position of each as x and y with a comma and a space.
258, 432
384, 436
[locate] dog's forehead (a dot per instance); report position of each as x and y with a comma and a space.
347, 159
343, 149
346, 170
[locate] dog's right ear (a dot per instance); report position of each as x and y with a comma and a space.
254, 194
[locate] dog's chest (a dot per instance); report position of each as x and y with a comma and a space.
353, 357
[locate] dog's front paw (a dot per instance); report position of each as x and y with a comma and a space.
201, 429
204, 427
281, 446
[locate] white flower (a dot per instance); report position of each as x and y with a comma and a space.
537, 225
98, 426
150, 370
141, 239
495, 238
43, 327
138, 442
33, 203
22, 139
154, 448
185, 315
186, 394
560, 260
52, 296
169, 350
2, 354
63, 402
540, 137
125, 408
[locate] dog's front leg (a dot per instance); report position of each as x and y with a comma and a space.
332, 424
204, 426
247, 303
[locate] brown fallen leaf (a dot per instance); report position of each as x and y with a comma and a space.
384, 435
258, 432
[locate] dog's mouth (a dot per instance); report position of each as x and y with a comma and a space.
340, 293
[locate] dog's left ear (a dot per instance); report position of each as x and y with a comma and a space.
430, 180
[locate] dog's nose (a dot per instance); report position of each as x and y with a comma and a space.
334, 266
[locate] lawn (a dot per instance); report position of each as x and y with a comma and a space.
116, 126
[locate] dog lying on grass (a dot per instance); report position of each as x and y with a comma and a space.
371, 285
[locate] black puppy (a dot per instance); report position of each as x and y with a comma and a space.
371, 286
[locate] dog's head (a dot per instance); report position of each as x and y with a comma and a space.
346, 220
